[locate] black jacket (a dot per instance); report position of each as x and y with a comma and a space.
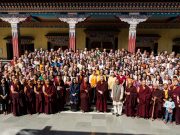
7, 90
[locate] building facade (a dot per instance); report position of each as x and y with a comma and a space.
133, 24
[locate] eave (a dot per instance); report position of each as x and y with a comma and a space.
90, 7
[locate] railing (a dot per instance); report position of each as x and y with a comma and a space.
3, 62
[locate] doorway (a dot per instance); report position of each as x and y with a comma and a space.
176, 46
57, 40
102, 39
26, 44
147, 42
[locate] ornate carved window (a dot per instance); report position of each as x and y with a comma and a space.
60, 39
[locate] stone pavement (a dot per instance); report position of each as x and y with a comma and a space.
70, 123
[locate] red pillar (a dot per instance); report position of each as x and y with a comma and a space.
72, 19
133, 19
14, 20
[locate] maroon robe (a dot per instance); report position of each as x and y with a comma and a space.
30, 99
131, 101
157, 104
175, 94
101, 102
50, 100
67, 93
144, 96
84, 97
16, 100
39, 99
60, 90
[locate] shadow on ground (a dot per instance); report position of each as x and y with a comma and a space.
47, 131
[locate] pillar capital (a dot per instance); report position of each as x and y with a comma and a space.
13, 18
133, 19
72, 21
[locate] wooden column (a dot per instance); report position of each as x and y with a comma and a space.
14, 20
133, 21
72, 21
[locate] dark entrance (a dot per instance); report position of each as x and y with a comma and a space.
102, 39
25, 45
58, 40
147, 42
176, 46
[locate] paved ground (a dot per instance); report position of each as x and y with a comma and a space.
68, 123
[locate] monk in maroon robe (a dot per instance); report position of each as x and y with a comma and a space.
39, 97
176, 99
60, 90
15, 95
49, 91
30, 97
156, 103
144, 98
84, 95
101, 95
131, 99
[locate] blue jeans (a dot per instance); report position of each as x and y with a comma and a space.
168, 116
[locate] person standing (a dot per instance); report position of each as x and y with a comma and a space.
4, 95
39, 97
60, 90
93, 83
131, 99
101, 95
15, 93
111, 82
169, 105
85, 89
30, 97
117, 97
49, 91
144, 98
176, 99
74, 94
156, 102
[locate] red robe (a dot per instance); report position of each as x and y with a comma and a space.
30, 99
144, 96
84, 97
39, 100
159, 94
101, 102
175, 95
16, 100
50, 100
131, 101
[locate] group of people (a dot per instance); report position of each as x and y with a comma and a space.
139, 84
